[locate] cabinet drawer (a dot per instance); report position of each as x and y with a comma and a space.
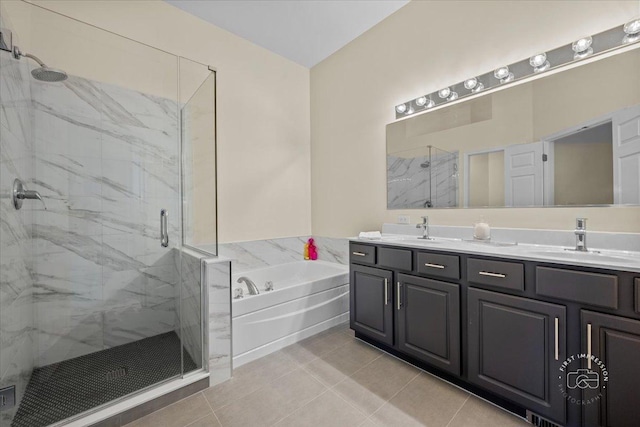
446, 266
590, 288
363, 254
508, 275
399, 259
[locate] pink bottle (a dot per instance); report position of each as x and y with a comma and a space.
313, 251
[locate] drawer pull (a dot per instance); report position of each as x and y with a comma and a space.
386, 292
588, 345
440, 266
359, 253
556, 328
486, 273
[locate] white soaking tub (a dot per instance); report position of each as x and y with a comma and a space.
308, 297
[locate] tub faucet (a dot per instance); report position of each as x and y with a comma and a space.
251, 287
581, 235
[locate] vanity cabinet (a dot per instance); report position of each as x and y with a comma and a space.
615, 341
428, 317
516, 349
503, 327
418, 316
371, 302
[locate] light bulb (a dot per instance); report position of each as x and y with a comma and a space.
421, 101
401, 108
452, 96
503, 74
632, 31
430, 103
539, 62
473, 85
632, 27
582, 47
470, 83
444, 93
409, 111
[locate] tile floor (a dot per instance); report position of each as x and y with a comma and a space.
330, 379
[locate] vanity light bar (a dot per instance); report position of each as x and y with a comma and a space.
584, 47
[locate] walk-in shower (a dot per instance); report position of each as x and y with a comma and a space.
96, 300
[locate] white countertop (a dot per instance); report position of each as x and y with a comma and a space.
605, 259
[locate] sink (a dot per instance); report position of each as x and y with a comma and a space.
585, 256
491, 242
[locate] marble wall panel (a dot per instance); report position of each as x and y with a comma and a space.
16, 250
106, 162
263, 253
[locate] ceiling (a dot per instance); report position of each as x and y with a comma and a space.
305, 31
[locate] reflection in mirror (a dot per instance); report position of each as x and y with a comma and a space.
423, 178
567, 139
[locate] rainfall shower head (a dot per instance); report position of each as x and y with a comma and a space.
44, 73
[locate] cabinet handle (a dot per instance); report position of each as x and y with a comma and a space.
588, 345
486, 273
557, 321
434, 265
359, 253
399, 302
386, 292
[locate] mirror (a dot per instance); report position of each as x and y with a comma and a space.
567, 139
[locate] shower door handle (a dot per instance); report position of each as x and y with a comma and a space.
164, 233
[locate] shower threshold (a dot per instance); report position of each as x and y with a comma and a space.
62, 390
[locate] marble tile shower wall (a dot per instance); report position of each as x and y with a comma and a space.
408, 182
106, 163
263, 253
190, 297
16, 260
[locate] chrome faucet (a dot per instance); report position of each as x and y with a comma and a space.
425, 228
581, 235
251, 287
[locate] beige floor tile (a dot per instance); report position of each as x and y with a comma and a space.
328, 410
208, 421
249, 378
336, 366
273, 402
425, 401
318, 345
372, 386
179, 414
478, 413
369, 423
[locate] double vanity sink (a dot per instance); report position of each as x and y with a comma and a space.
507, 321
511, 249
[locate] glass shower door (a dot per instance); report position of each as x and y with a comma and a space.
90, 303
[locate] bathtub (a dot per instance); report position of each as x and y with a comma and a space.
308, 297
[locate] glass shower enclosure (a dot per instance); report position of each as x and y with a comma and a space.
96, 170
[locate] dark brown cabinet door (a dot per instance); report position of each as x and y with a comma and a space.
428, 316
616, 342
371, 302
516, 350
